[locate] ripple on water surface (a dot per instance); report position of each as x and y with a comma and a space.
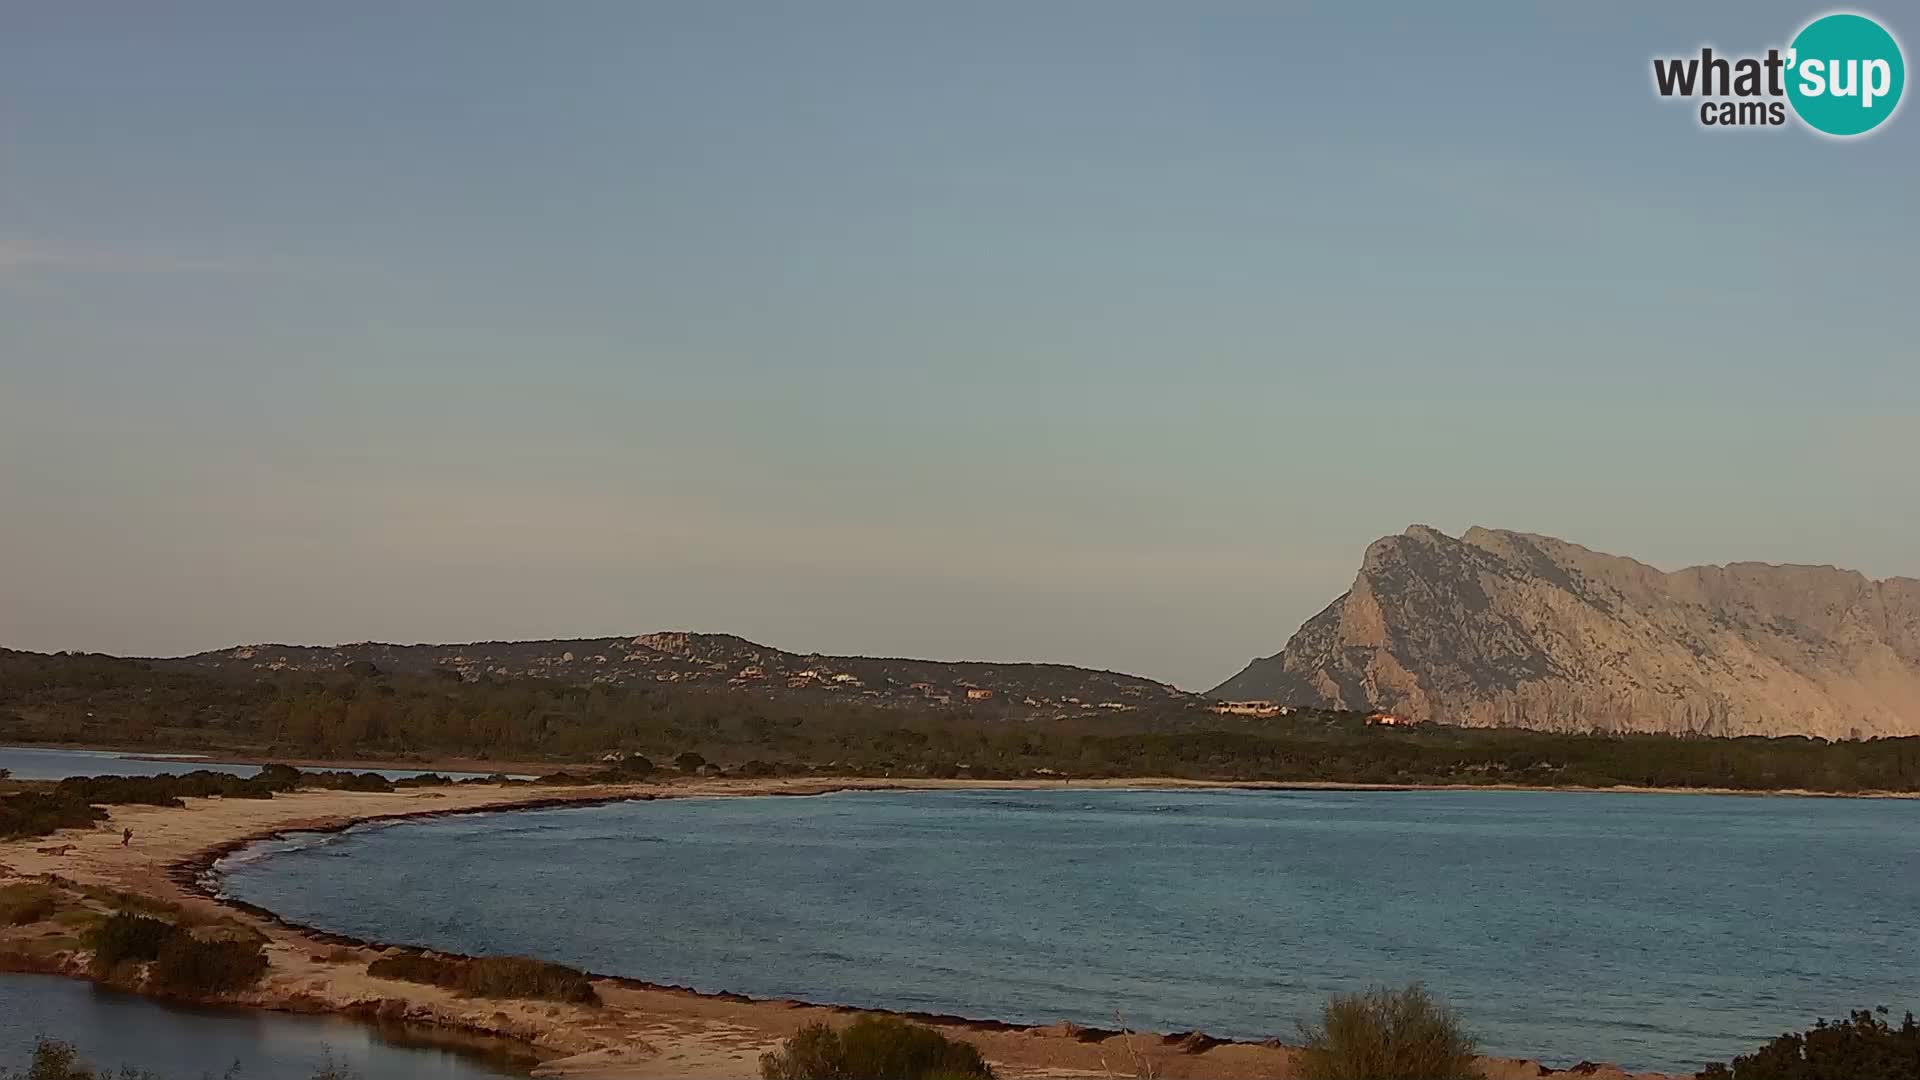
1658, 931
112, 1029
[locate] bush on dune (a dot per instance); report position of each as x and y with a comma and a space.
347, 781
127, 938
181, 963
874, 1048
189, 965
1386, 1034
34, 813
132, 902
159, 790
490, 976
75, 802
26, 903
1861, 1047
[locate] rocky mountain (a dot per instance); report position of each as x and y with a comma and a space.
724, 661
1505, 628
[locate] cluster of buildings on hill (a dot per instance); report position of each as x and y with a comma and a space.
1261, 708
725, 661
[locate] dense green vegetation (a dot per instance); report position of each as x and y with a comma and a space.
874, 1048
490, 976
35, 813
182, 962
128, 938
1864, 1046
1386, 1034
364, 713
191, 965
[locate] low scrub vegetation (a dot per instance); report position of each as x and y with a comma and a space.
490, 976
35, 813
874, 1048
1387, 1034
1864, 1046
189, 965
205, 783
75, 803
61, 1061
27, 903
180, 962
121, 900
128, 938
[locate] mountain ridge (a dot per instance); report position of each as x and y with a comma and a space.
1505, 628
719, 661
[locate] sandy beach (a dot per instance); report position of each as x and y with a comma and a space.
640, 1032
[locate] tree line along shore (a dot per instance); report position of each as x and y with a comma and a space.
363, 713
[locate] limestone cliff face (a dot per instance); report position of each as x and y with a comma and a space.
1504, 628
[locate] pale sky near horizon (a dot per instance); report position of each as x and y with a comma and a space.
1101, 333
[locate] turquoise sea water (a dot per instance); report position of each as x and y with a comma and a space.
1657, 931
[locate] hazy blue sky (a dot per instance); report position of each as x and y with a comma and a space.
1107, 333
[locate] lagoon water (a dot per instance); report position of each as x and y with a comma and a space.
53, 763
112, 1029
1657, 931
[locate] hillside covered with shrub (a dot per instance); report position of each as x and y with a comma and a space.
366, 713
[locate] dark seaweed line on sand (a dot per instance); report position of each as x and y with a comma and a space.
193, 874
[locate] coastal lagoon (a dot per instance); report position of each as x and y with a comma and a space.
1657, 931
55, 763
112, 1029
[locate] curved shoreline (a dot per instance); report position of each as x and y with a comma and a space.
531, 774
648, 1029
192, 874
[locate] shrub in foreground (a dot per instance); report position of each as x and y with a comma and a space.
874, 1048
191, 966
490, 976
61, 1061
75, 802
182, 963
1861, 1047
1387, 1034
127, 938
37, 813
26, 903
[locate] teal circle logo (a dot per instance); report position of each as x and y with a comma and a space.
1845, 74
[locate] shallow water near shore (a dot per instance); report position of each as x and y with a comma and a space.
1656, 931
59, 763
112, 1029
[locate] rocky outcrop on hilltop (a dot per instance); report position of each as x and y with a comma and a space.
1503, 628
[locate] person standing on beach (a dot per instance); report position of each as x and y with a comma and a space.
126, 837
